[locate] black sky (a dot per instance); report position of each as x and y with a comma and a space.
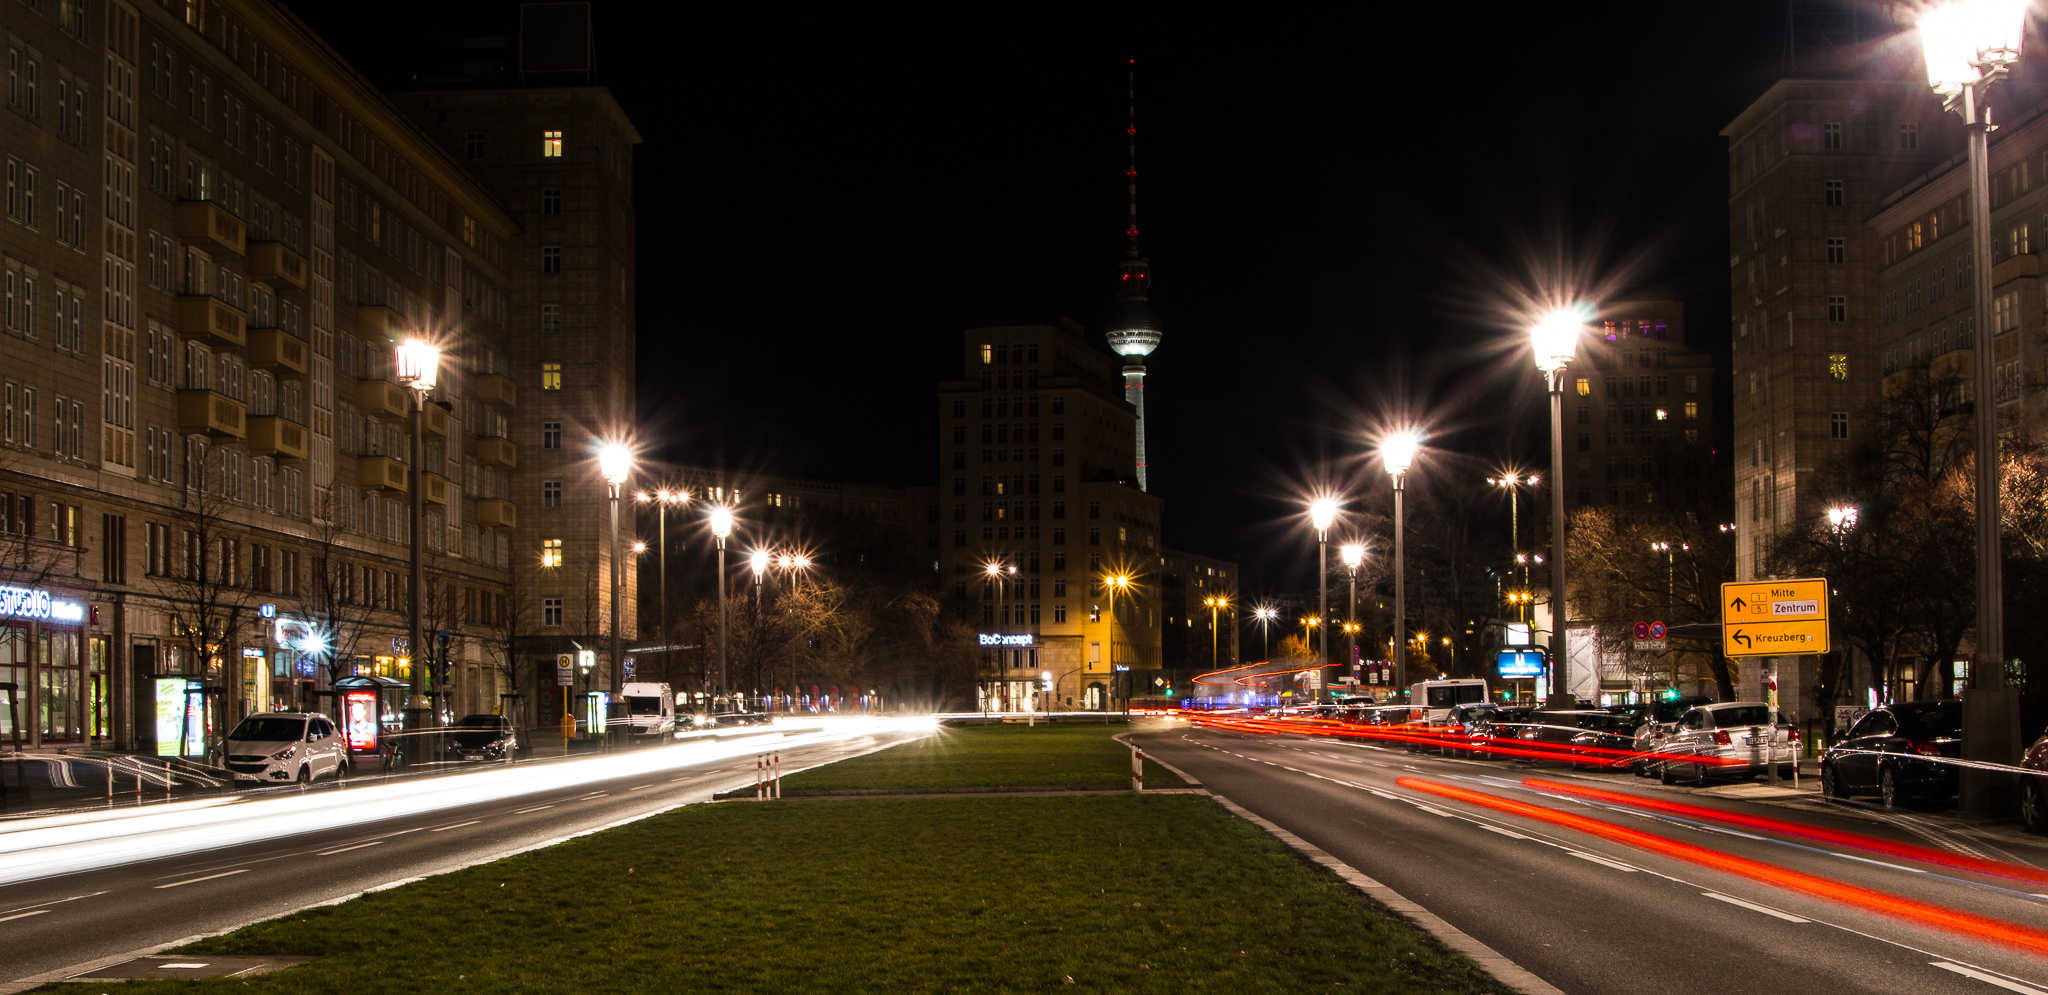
1336, 208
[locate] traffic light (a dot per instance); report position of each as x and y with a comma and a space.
1670, 694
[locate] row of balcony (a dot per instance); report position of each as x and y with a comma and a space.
207, 225
211, 413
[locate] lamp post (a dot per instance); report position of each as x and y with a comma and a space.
1397, 452
661, 500
721, 527
1215, 602
1555, 339
1352, 554
1968, 46
1514, 482
1266, 614
614, 463
1323, 512
418, 364
1114, 583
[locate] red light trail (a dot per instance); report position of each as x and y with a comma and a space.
2025, 938
1859, 841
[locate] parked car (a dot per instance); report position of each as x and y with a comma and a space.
1900, 752
1605, 742
1550, 732
1473, 727
1727, 739
2034, 787
1662, 715
281, 747
482, 737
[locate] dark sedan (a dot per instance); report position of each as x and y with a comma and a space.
1901, 752
1605, 741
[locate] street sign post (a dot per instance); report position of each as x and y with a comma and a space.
1650, 637
1774, 617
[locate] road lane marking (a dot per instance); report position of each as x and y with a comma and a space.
594, 794
1504, 832
1753, 907
23, 915
536, 808
1617, 865
643, 787
345, 849
1438, 811
1988, 978
59, 901
209, 877
459, 825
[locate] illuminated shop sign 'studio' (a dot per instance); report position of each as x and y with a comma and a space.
28, 602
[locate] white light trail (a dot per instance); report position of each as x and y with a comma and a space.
39, 848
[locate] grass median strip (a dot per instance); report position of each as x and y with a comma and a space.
1115, 892
989, 756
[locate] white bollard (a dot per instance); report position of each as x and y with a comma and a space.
778, 775
1137, 768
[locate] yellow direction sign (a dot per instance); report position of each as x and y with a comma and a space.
1774, 617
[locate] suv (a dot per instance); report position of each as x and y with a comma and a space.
1901, 751
278, 747
1734, 738
2034, 786
482, 737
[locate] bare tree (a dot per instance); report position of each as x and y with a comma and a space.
207, 607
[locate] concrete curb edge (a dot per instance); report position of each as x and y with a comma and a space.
1490, 960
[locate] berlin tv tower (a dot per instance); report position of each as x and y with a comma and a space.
1133, 326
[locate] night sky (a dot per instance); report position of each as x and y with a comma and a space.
1340, 214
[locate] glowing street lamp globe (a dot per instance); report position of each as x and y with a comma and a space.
1556, 337
759, 561
1398, 450
1962, 39
418, 364
1352, 554
721, 521
614, 462
1322, 512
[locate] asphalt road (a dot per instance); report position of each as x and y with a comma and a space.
64, 919
1591, 915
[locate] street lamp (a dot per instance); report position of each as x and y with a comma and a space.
661, 500
1215, 603
1397, 452
1266, 614
614, 463
1554, 340
1968, 46
1514, 482
1352, 554
721, 527
1114, 583
418, 365
1322, 512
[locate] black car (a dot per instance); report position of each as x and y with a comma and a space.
1549, 734
1474, 727
1605, 741
482, 737
1900, 752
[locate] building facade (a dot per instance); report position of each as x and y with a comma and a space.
1043, 529
1809, 162
216, 234
1640, 413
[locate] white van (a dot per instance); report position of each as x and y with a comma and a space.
1430, 702
650, 710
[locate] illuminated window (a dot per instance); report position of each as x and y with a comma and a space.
551, 144
551, 553
551, 611
1662, 414
1692, 411
1838, 366
1585, 386
988, 353
551, 376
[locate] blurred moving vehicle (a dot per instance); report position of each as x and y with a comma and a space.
2034, 787
1901, 752
482, 737
280, 747
650, 709
1550, 732
1726, 739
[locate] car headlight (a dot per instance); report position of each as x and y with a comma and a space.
286, 754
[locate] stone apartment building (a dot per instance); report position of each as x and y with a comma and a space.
216, 232
1810, 162
1639, 414
1038, 480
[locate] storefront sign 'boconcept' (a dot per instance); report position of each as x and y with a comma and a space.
25, 602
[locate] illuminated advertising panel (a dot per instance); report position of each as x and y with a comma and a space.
170, 715
1521, 662
359, 719
1008, 639
29, 602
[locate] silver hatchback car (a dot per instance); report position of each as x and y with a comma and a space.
1726, 739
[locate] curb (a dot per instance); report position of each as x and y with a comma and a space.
1505, 971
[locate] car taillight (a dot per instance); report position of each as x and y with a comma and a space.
1721, 737
1792, 733
1922, 748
